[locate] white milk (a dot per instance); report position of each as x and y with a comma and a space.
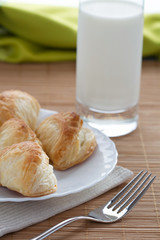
109, 54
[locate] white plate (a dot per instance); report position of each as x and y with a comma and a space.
79, 177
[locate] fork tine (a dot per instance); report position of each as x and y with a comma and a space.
133, 194
131, 205
125, 188
121, 200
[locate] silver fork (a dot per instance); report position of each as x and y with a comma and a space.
114, 209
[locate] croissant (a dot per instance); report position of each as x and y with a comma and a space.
17, 104
25, 168
15, 131
65, 141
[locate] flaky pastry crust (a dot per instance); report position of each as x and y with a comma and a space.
15, 131
18, 104
25, 168
65, 141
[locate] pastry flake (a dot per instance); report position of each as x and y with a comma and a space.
65, 141
25, 168
18, 104
15, 131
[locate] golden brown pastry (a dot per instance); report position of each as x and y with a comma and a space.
17, 104
65, 141
25, 168
15, 131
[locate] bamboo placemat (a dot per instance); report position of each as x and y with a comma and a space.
54, 86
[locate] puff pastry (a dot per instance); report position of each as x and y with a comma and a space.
25, 168
18, 104
65, 141
16, 131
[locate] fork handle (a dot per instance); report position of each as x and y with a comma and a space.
60, 225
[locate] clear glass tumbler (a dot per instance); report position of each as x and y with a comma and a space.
108, 71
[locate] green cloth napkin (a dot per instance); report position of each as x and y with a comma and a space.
38, 33
151, 35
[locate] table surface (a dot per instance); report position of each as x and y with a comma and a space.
54, 86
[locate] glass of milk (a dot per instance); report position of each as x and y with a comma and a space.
108, 71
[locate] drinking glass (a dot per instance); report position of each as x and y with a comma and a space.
108, 69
